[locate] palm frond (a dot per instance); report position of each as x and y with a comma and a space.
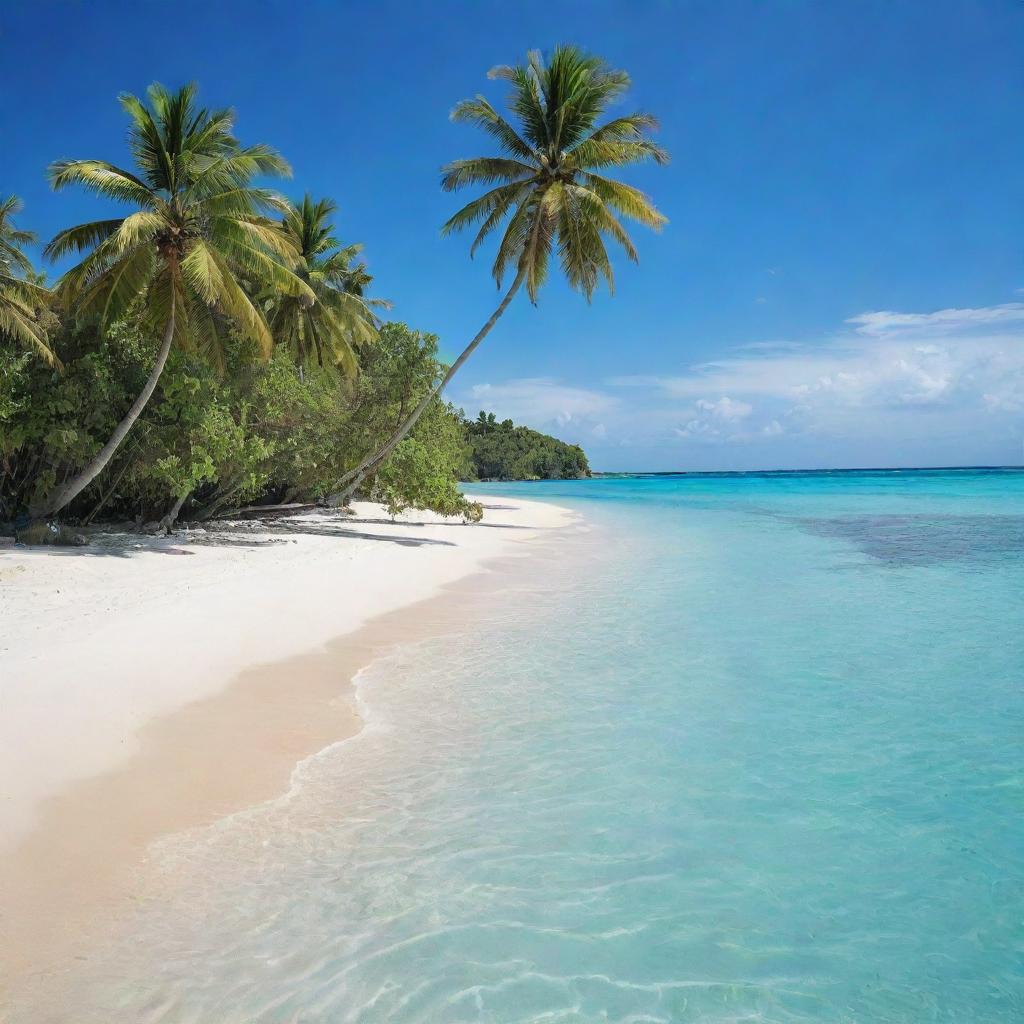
111, 294
244, 199
605, 221
483, 171
627, 200
201, 272
341, 319
80, 238
239, 307
18, 322
481, 208
11, 254
228, 170
549, 182
199, 235
104, 179
250, 230
514, 240
205, 332
148, 143
497, 215
537, 248
136, 229
591, 153
479, 112
526, 102
583, 254
12, 238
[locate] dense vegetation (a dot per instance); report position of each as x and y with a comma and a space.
217, 345
503, 451
263, 431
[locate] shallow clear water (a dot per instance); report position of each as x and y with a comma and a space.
750, 750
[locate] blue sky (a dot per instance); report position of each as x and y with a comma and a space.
839, 284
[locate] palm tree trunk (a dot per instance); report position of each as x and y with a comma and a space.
109, 493
171, 516
223, 495
67, 492
351, 481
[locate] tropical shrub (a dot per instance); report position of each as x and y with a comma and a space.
260, 431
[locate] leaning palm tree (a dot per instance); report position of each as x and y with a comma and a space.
342, 319
181, 258
548, 192
20, 296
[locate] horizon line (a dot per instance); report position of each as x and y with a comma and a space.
819, 469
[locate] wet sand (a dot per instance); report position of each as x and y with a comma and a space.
66, 884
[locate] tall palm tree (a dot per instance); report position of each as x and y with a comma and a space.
20, 297
342, 319
548, 189
199, 232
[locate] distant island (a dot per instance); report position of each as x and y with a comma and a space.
499, 450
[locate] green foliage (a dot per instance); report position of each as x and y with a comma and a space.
329, 331
21, 297
199, 234
397, 373
503, 451
547, 187
192, 255
260, 431
424, 469
53, 421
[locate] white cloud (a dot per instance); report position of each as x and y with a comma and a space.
937, 387
540, 402
695, 428
721, 420
885, 322
725, 409
860, 372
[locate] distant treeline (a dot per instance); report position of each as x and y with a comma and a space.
503, 451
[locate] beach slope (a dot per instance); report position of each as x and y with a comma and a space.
96, 642
152, 685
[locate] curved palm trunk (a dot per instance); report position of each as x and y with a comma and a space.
171, 517
67, 492
351, 481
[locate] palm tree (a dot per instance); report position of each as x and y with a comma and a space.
20, 297
182, 257
548, 189
342, 319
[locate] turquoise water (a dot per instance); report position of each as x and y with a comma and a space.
745, 749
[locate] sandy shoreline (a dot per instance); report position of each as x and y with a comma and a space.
179, 689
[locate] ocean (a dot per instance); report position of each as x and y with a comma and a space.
732, 748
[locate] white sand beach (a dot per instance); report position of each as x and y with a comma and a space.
147, 683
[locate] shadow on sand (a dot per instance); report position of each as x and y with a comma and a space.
249, 534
